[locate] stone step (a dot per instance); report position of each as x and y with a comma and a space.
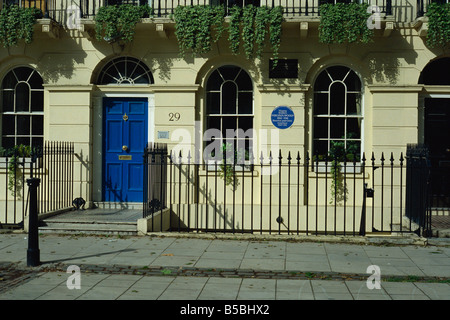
88, 227
119, 205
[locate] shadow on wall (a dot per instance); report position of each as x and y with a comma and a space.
55, 66
384, 62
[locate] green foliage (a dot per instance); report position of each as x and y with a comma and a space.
344, 23
234, 29
438, 34
14, 172
17, 23
119, 21
194, 25
338, 186
339, 153
227, 168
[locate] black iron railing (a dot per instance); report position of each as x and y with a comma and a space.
280, 194
61, 11
52, 163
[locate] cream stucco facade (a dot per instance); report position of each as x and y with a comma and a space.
70, 61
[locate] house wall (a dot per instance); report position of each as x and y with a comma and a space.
69, 64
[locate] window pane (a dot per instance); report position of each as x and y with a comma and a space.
353, 128
35, 81
213, 123
245, 123
25, 141
106, 78
337, 128
23, 125
141, 79
22, 97
8, 101
8, 125
321, 103
213, 103
320, 128
244, 81
322, 82
320, 149
337, 98
8, 143
121, 68
214, 81
229, 153
353, 104
10, 81
38, 125
37, 142
245, 102
353, 148
338, 72
352, 81
229, 98
229, 72
229, 123
23, 73
37, 101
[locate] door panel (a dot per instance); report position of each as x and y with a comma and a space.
125, 136
437, 139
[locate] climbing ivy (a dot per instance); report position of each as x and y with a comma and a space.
195, 25
17, 23
438, 34
344, 23
234, 29
251, 24
119, 21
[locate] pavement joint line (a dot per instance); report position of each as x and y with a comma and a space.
172, 271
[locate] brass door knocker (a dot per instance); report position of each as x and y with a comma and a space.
125, 117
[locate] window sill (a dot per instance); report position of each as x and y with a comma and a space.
325, 167
4, 165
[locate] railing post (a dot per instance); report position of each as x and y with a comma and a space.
46, 15
388, 7
33, 236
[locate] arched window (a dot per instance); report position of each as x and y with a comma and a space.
125, 70
22, 108
436, 73
337, 115
229, 106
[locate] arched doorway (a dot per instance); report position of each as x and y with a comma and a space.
125, 128
436, 128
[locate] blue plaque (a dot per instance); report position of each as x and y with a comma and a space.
282, 117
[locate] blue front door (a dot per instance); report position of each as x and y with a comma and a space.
125, 136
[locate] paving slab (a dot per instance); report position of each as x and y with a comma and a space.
170, 268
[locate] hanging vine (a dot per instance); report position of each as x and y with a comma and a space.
251, 24
261, 19
234, 29
17, 23
119, 21
194, 26
344, 23
248, 30
438, 34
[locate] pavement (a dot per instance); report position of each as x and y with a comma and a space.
194, 268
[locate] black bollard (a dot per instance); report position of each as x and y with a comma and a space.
33, 256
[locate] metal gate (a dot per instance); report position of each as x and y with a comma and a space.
418, 189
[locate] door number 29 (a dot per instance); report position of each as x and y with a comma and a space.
174, 116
